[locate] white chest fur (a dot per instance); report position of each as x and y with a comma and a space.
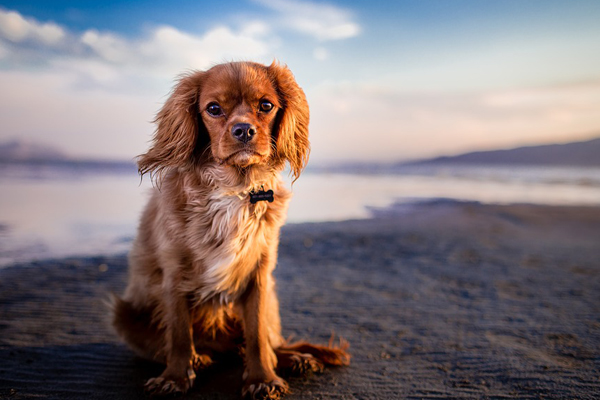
228, 238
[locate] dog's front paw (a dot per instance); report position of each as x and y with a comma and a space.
167, 384
271, 390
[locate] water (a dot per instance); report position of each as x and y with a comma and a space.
57, 211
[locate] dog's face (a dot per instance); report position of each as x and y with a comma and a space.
238, 107
240, 113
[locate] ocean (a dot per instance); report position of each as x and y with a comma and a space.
51, 211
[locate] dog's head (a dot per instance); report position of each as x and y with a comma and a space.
238, 114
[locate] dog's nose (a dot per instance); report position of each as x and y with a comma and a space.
243, 132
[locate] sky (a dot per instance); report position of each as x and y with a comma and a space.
386, 80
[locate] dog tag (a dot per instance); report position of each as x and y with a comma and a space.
261, 195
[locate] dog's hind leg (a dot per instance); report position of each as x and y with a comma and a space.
138, 330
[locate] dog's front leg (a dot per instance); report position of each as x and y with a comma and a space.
260, 379
178, 376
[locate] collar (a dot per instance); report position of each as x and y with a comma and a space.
261, 195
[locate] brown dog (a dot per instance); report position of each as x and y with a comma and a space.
200, 275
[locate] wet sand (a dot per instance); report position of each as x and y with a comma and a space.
440, 300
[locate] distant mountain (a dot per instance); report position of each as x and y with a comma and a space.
576, 154
22, 150
31, 153
581, 154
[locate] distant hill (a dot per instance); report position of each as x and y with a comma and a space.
31, 153
22, 150
581, 154
575, 154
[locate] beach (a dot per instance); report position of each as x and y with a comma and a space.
441, 299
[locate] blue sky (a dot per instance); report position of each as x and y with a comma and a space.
386, 80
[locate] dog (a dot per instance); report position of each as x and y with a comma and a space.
200, 268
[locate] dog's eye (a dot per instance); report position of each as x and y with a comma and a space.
266, 106
214, 109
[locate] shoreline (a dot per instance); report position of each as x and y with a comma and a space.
443, 299
396, 209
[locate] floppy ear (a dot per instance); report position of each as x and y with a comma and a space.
292, 128
177, 129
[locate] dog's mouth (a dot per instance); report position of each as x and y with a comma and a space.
243, 158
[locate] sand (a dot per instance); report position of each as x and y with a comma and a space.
438, 301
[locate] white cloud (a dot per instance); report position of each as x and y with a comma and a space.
15, 28
108, 46
168, 51
162, 51
320, 20
175, 49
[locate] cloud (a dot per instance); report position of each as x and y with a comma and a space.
95, 92
369, 122
322, 21
162, 50
168, 50
15, 28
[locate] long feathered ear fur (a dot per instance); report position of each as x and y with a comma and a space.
292, 129
177, 129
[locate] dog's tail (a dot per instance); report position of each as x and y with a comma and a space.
332, 354
137, 328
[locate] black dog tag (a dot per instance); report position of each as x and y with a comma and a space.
261, 195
